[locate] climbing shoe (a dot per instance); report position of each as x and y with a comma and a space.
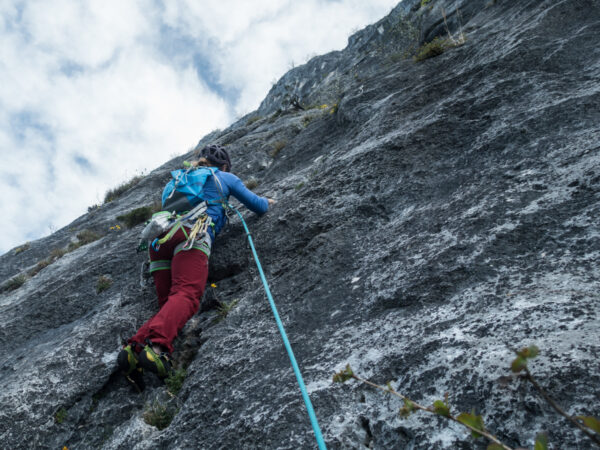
127, 360
159, 363
128, 363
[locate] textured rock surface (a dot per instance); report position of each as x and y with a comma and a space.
439, 213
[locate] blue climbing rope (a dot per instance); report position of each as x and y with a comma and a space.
286, 342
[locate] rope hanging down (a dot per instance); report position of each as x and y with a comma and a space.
286, 342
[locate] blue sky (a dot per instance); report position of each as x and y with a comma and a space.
93, 93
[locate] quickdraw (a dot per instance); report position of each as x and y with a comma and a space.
199, 228
201, 221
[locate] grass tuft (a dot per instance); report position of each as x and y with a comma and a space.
277, 147
252, 183
439, 45
431, 49
87, 236
57, 253
39, 266
113, 194
14, 283
83, 237
60, 415
136, 216
158, 415
103, 284
174, 381
251, 120
225, 308
22, 248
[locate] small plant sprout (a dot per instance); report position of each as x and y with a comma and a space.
60, 415
115, 228
174, 381
520, 362
226, 308
440, 407
590, 426
344, 375
306, 120
587, 424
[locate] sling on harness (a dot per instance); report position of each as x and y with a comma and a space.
196, 219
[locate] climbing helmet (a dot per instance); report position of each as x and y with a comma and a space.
216, 155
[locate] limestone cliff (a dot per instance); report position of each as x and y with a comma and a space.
431, 215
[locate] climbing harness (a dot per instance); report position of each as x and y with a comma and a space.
201, 222
196, 219
286, 342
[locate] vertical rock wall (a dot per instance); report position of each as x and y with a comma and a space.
430, 217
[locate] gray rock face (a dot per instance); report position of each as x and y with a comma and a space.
439, 214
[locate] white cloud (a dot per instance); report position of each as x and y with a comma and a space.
93, 82
86, 33
253, 43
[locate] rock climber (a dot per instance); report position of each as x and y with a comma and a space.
180, 275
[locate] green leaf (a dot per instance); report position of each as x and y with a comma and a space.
541, 442
473, 421
441, 408
343, 375
518, 364
494, 446
407, 409
530, 352
590, 422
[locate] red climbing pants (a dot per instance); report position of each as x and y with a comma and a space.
180, 280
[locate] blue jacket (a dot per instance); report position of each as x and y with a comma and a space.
230, 185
